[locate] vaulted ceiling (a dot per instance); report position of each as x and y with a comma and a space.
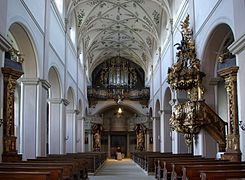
128, 28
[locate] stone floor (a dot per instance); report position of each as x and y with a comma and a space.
120, 170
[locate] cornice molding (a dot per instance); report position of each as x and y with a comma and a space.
4, 44
237, 46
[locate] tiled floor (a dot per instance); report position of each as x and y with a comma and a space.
125, 169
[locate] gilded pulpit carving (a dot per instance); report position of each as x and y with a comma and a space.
185, 75
11, 72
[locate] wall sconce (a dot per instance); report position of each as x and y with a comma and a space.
66, 138
1, 117
242, 125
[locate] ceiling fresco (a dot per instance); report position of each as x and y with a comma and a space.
126, 28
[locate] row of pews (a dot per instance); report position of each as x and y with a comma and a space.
186, 166
70, 166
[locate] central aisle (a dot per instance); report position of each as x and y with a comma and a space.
120, 170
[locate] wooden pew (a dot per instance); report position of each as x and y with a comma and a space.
67, 167
178, 165
56, 173
13, 175
222, 174
94, 159
81, 164
163, 166
193, 171
70, 167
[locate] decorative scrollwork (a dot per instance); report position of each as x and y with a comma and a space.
185, 73
190, 116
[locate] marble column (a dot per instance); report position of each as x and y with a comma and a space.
28, 117
162, 130
90, 141
42, 117
71, 131
156, 133
166, 133
80, 134
57, 126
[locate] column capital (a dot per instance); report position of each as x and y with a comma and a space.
65, 102
29, 81
45, 84
58, 101
160, 112
35, 81
227, 72
71, 111
80, 118
172, 102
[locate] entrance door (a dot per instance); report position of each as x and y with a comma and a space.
118, 141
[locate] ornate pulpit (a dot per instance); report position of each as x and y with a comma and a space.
11, 71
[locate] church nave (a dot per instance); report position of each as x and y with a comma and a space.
119, 170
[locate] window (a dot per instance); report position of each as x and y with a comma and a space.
73, 35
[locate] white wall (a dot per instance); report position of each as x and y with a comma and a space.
37, 9
57, 35
32, 17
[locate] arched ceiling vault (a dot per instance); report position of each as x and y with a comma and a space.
127, 28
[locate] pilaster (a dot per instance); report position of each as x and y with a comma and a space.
9, 140
233, 151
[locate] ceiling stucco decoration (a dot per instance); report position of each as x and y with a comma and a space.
126, 28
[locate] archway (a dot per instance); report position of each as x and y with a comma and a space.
167, 132
28, 124
216, 57
71, 124
156, 127
54, 136
80, 128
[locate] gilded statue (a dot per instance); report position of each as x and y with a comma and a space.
140, 137
97, 130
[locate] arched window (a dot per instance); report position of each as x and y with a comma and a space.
81, 58
59, 4
72, 32
73, 35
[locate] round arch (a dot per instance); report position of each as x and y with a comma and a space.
130, 104
219, 38
157, 108
167, 132
71, 99
54, 80
25, 107
18, 34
